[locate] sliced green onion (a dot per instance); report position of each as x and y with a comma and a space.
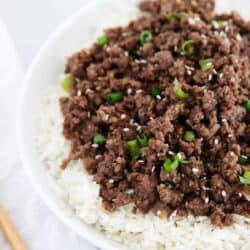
245, 179
242, 160
170, 166
185, 48
247, 105
219, 24
66, 84
169, 184
206, 64
190, 13
142, 140
146, 36
179, 93
102, 40
114, 97
134, 149
155, 91
170, 15
99, 139
189, 136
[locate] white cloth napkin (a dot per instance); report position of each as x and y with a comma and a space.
38, 226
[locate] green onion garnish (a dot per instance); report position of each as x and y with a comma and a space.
170, 166
242, 160
206, 64
155, 91
114, 97
245, 179
169, 16
190, 13
247, 105
146, 36
179, 93
142, 140
219, 24
185, 48
99, 139
66, 84
134, 149
102, 40
189, 136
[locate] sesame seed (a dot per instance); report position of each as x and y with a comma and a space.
216, 141
143, 61
189, 72
158, 212
79, 93
232, 153
195, 170
106, 117
94, 145
240, 194
238, 37
129, 91
87, 91
130, 191
138, 128
223, 193
214, 71
126, 129
207, 200
224, 120
111, 181
98, 157
140, 161
191, 21
230, 135
221, 75
175, 48
89, 115
170, 152
131, 122
139, 91
158, 97
210, 77
153, 169
123, 116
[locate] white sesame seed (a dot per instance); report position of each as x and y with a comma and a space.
129, 91
207, 200
158, 97
221, 75
151, 118
214, 71
189, 72
216, 141
126, 129
106, 117
143, 61
238, 37
230, 135
210, 77
89, 115
94, 145
224, 120
98, 157
123, 116
232, 153
111, 181
153, 169
130, 191
126, 53
195, 170
191, 21
141, 161
175, 48
223, 193
138, 128
131, 122
170, 152
139, 91
240, 194
158, 212
79, 93
87, 91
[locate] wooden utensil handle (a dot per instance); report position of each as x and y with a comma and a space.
10, 231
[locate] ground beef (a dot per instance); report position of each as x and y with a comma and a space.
206, 179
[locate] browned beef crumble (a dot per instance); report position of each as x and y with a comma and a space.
209, 184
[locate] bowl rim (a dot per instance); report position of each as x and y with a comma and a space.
96, 238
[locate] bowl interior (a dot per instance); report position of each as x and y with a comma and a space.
77, 32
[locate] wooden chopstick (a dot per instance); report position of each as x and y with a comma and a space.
10, 232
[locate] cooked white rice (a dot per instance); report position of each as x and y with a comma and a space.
135, 231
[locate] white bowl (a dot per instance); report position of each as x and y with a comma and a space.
44, 71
